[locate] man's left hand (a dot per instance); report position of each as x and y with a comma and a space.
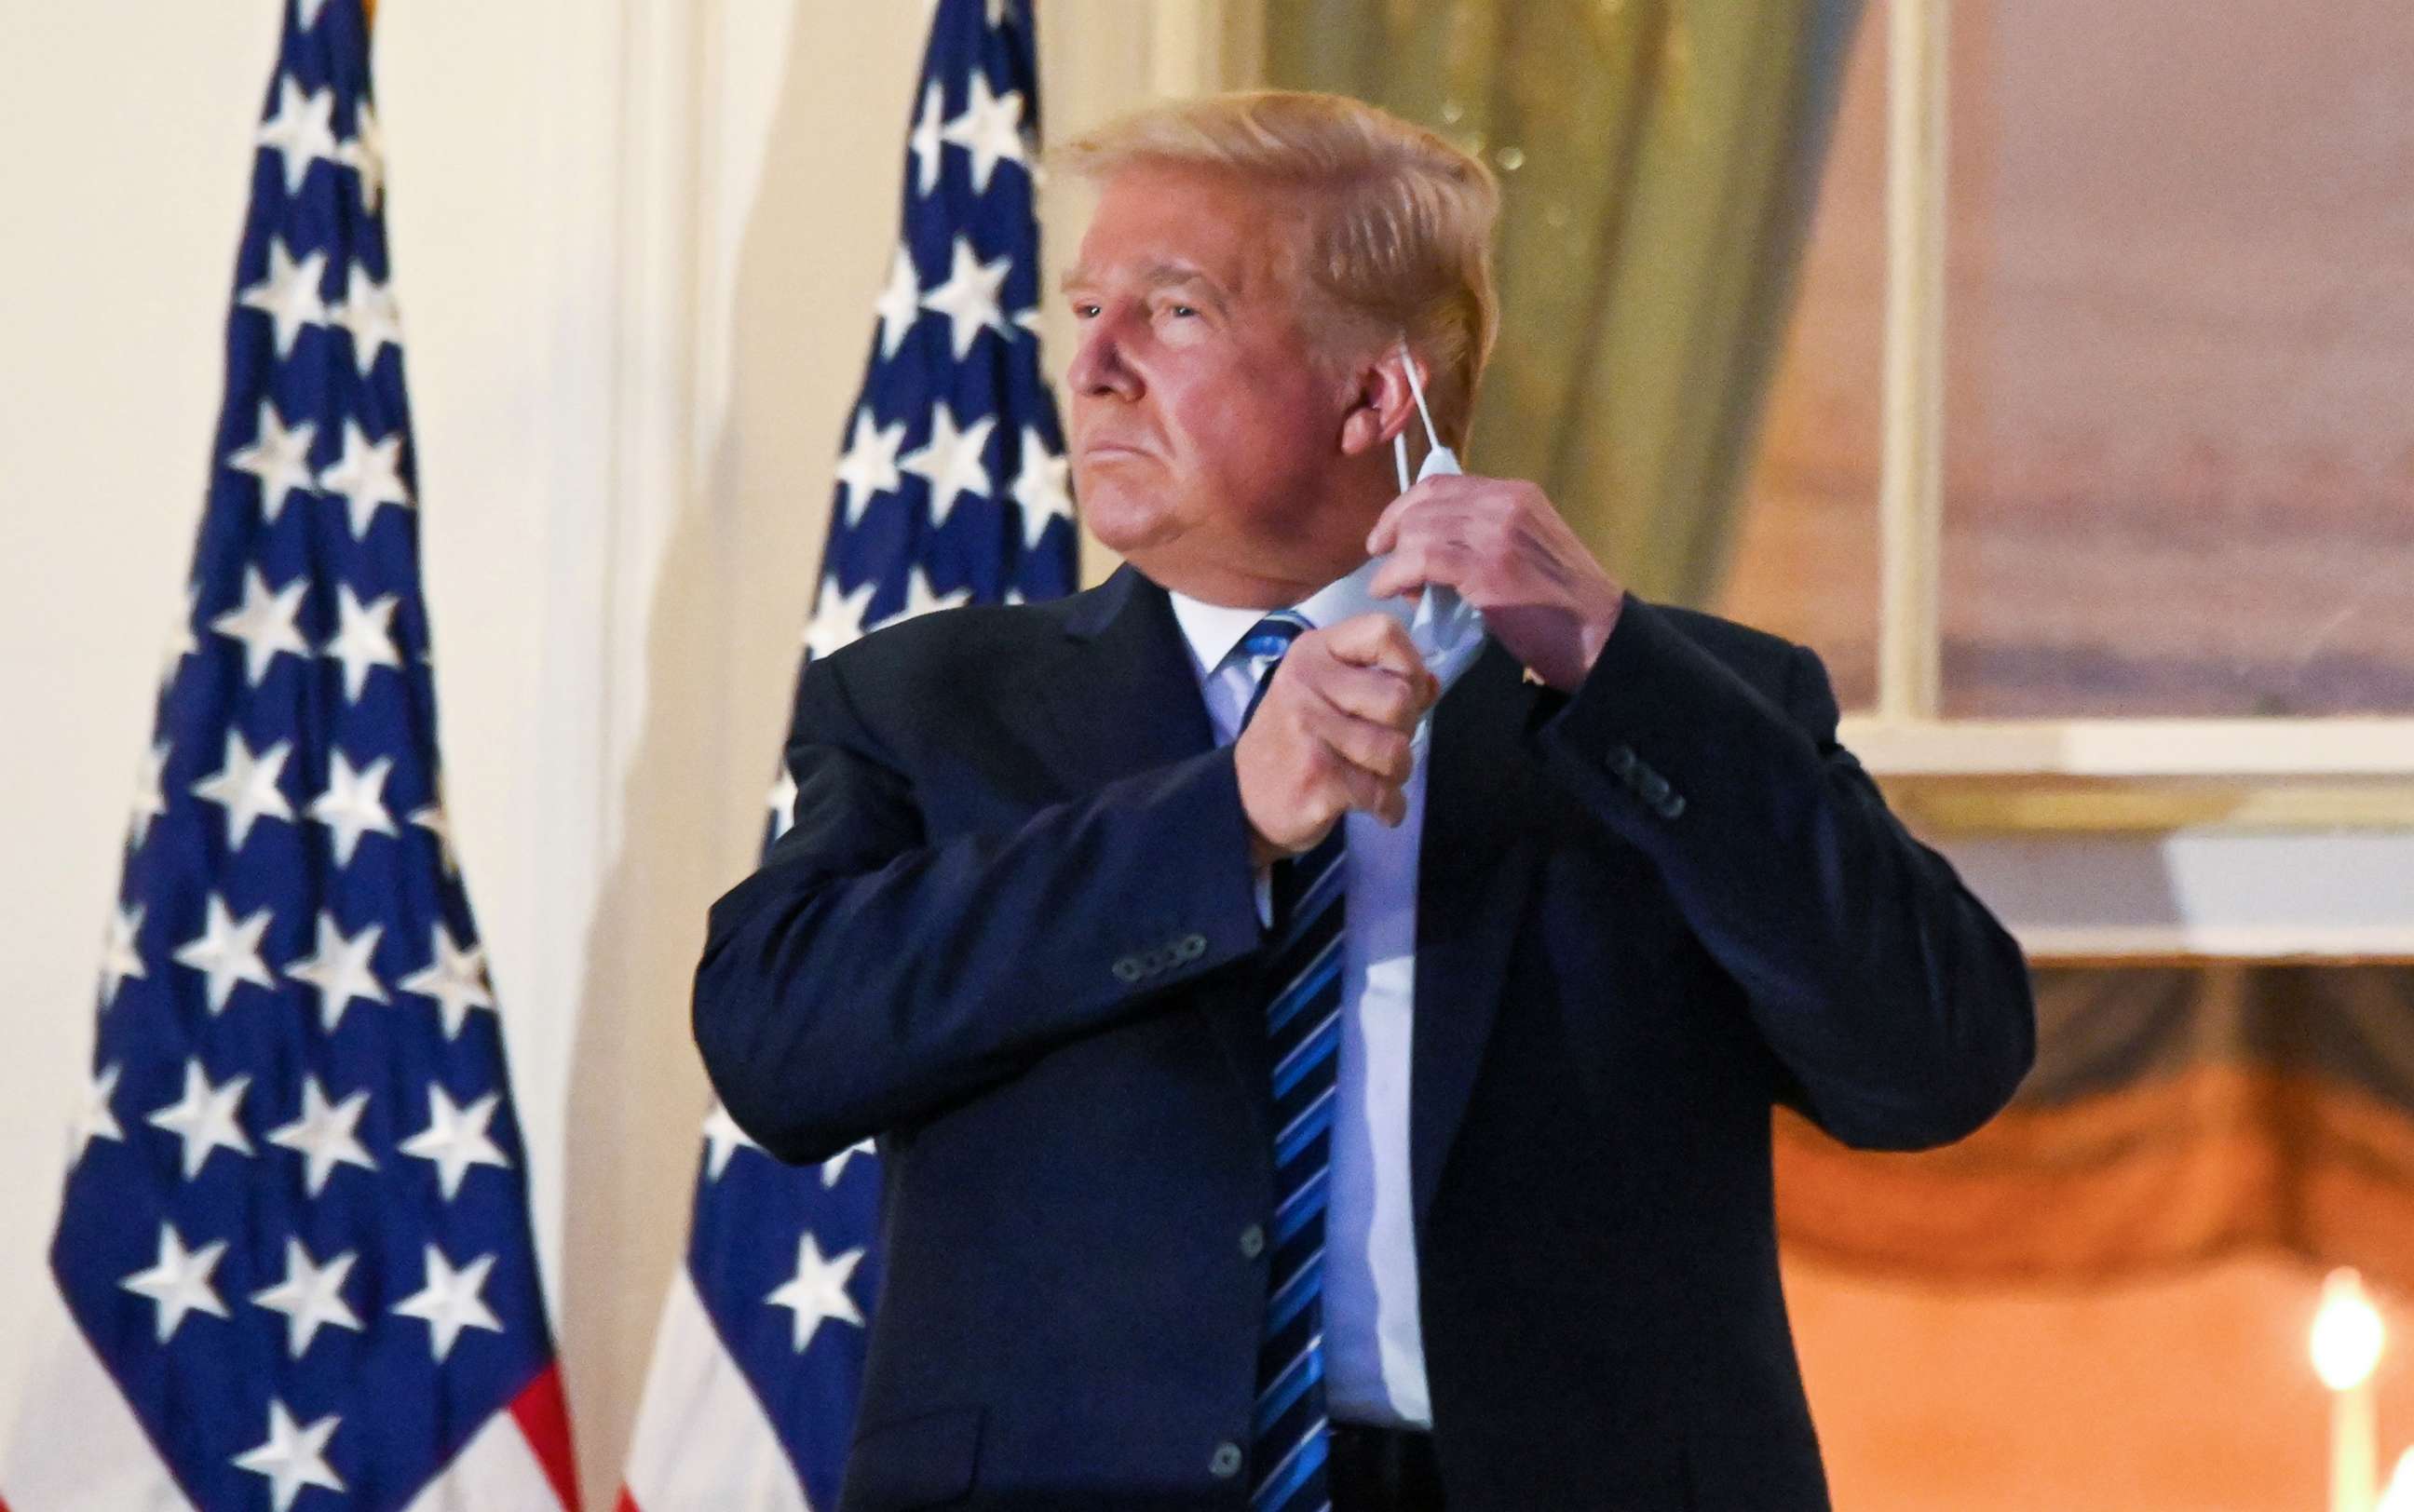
1502, 545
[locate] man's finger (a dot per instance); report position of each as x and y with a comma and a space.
1381, 696
1374, 639
1377, 750
1368, 792
1450, 563
1421, 496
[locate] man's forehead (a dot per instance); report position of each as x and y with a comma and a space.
1155, 227
1150, 273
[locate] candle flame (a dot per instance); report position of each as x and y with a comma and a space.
2347, 1332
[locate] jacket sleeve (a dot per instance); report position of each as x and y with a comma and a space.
1897, 1008
867, 975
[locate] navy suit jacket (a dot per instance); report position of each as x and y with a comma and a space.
1013, 934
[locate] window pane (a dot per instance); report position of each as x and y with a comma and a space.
1658, 161
2179, 451
1805, 561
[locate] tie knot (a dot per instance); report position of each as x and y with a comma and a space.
1272, 636
1264, 645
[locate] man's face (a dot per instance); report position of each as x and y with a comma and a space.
1206, 437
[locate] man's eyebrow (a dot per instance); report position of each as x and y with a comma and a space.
1155, 275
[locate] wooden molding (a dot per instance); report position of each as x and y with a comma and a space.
1968, 804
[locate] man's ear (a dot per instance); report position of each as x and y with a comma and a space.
1381, 405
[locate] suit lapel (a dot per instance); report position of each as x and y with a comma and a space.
1474, 868
1119, 697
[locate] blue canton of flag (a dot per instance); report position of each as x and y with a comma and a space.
952, 490
295, 1227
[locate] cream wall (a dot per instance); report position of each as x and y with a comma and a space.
635, 248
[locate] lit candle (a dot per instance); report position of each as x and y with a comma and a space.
2347, 1341
2399, 1497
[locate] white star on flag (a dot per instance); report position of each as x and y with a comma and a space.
952, 463
311, 1295
292, 1456
368, 314
454, 1139
969, 298
456, 978
180, 1283
245, 787
835, 1166
150, 794
369, 474
364, 154
96, 1118
289, 296
920, 598
450, 1301
180, 643
837, 616
900, 304
353, 803
869, 469
301, 131
279, 457
324, 1135
924, 143
340, 970
265, 623
1040, 488
783, 801
227, 951
431, 819
724, 1138
119, 956
817, 1293
991, 129
204, 1118
363, 638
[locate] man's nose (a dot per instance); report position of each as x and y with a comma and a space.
1099, 368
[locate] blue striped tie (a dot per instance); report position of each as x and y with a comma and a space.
1303, 1038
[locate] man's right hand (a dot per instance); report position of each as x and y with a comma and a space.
1331, 735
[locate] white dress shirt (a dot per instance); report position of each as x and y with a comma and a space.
1374, 1348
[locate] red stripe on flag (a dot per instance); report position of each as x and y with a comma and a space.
544, 1417
628, 1502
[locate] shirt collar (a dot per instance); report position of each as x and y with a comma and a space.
1214, 631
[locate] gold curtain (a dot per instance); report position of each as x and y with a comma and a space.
1659, 162
2176, 1115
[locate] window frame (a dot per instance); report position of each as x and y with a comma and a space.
2040, 808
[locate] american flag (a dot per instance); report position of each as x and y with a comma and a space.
294, 1239
952, 490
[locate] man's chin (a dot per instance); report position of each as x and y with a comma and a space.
1122, 523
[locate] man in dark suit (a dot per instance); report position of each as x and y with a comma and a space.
1277, 1111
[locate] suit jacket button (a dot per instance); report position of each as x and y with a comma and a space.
1127, 969
1654, 787
1252, 1241
1193, 946
1621, 761
1674, 805
1226, 1461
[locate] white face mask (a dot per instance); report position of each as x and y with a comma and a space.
1448, 630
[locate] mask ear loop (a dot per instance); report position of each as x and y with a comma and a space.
1400, 442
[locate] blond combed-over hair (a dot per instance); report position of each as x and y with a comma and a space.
1400, 221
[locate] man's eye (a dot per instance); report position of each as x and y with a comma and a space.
1183, 309
1082, 310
